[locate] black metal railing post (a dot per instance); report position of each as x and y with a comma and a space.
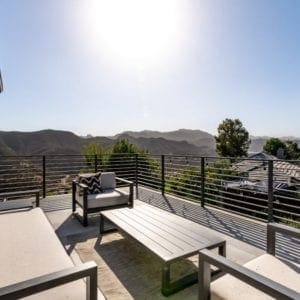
270, 191
96, 163
44, 176
202, 181
162, 174
136, 176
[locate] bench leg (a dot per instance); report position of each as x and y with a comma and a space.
37, 199
73, 197
73, 206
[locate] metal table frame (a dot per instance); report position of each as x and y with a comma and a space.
168, 287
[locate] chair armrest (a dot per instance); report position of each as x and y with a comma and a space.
273, 228
45, 282
36, 192
260, 282
80, 185
130, 185
124, 180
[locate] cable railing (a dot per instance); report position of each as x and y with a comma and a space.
19, 173
261, 189
149, 171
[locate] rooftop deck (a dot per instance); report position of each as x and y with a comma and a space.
128, 271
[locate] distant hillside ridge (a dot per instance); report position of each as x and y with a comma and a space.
199, 138
161, 145
44, 142
196, 137
53, 142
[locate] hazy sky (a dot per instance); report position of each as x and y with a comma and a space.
105, 66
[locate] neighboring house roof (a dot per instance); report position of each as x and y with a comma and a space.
262, 155
288, 168
261, 186
256, 168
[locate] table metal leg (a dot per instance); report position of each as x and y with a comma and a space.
170, 287
165, 279
102, 226
222, 249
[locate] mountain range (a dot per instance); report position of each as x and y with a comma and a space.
178, 142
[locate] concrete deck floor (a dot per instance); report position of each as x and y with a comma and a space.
128, 271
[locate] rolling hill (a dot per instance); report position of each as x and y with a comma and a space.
51, 142
46, 142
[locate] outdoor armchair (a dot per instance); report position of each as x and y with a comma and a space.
100, 192
265, 277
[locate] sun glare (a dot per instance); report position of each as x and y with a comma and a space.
139, 30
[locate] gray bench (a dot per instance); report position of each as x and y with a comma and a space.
167, 235
34, 263
264, 277
16, 204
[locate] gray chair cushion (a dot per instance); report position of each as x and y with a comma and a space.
110, 197
231, 288
30, 248
108, 180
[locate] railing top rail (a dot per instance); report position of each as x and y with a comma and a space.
153, 155
66, 155
13, 156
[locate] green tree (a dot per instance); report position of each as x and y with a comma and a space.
216, 174
291, 150
90, 150
122, 160
123, 146
232, 139
220, 170
185, 182
272, 145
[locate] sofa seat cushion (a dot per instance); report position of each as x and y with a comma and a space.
109, 197
30, 248
285, 273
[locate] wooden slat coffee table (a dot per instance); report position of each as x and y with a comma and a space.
167, 235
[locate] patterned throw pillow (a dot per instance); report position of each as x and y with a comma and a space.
92, 181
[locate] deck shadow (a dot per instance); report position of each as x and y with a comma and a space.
241, 228
131, 269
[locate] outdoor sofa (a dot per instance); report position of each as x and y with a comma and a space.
34, 263
265, 277
97, 192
